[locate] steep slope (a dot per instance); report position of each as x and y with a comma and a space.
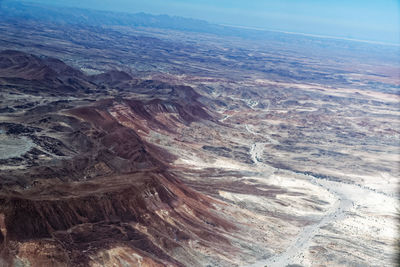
41, 75
91, 191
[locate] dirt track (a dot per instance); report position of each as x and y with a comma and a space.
294, 253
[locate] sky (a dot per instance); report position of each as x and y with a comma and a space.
373, 20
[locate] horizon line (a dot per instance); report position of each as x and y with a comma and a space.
311, 35
221, 24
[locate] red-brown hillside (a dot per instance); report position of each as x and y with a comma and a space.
106, 189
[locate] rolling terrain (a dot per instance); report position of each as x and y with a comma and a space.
124, 143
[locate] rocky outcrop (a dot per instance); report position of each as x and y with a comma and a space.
93, 191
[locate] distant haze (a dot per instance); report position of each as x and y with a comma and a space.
374, 20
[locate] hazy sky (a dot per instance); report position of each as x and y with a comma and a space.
376, 20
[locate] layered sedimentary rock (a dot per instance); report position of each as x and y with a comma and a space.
92, 191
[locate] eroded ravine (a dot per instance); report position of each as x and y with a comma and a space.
294, 253
347, 200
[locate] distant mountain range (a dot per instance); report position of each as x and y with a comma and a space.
39, 12
11, 10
